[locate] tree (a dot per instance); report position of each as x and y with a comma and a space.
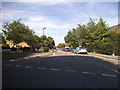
91, 27
61, 45
113, 43
2, 38
77, 36
100, 34
95, 37
81, 33
47, 42
50, 42
42, 40
18, 32
71, 38
34, 42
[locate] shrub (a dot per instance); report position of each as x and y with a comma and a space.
26, 49
13, 49
5, 46
46, 49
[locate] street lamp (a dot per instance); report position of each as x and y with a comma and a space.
43, 30
43, 34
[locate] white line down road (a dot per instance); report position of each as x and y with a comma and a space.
88, 73
54, 69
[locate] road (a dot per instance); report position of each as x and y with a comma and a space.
60, 70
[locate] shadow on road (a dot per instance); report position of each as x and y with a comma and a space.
60, 72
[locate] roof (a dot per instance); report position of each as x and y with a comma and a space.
10, 42
115, 28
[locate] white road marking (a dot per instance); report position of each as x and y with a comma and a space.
108, 75
106, 67
38, 67
8, 64
18, 65
70, 71
88, 73
54, 69
12, 60
28, 66
74, 71
41, 68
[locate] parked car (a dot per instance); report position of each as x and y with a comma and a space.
72, 49
62, 49
80, 50
67, 49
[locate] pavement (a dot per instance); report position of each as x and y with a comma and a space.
106, 56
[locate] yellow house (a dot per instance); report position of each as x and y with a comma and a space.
22, 44
9, 42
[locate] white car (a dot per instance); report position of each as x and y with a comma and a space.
80, 50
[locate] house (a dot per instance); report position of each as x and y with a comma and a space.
21, 44
115, 28
10, 43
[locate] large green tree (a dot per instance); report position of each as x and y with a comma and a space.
18, 32
95, 36
99, 36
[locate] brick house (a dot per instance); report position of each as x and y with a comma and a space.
21, 44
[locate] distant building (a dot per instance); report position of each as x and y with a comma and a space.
21, 44
68, 45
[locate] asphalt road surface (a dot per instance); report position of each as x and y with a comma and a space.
61, 70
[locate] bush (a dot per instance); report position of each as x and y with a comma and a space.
5, 46
46, 49
26, 49
13, 49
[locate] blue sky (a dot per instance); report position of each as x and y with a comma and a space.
58, 17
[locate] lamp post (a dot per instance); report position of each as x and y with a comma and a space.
42, 46
43, 30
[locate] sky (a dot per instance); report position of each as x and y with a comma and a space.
58, 17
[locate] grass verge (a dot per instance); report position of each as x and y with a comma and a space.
14, 55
